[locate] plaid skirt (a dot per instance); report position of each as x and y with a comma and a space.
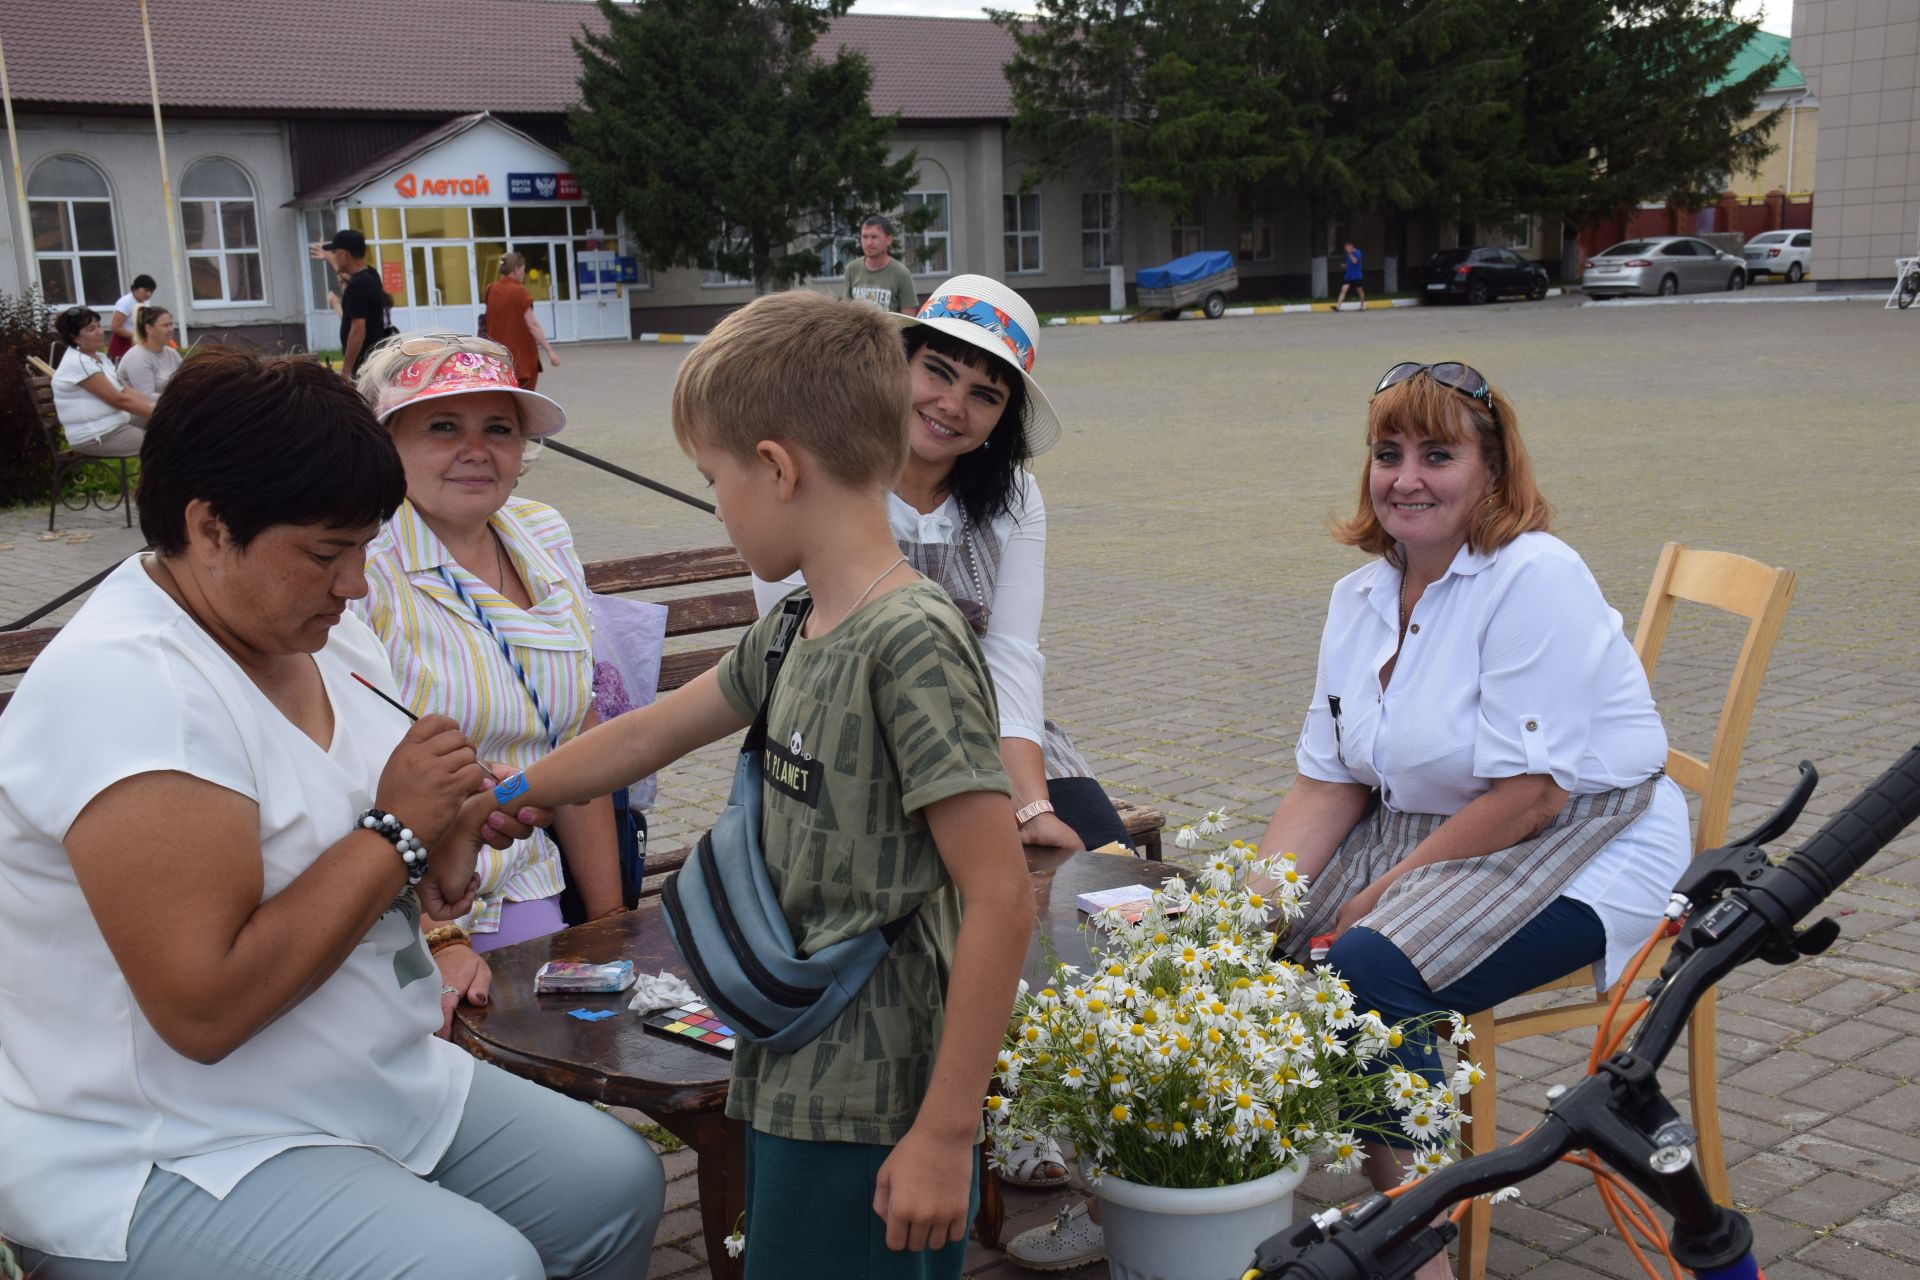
1447, 917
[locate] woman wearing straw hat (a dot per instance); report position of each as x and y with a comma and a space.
481, 603
968, 515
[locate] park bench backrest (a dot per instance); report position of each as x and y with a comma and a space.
686, 615
692, 615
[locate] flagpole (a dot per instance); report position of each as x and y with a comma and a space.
166, 189
19, 184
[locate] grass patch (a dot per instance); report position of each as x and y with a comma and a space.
653, 1133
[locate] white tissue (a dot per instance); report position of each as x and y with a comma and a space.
660, 991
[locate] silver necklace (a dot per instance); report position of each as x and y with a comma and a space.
861, 598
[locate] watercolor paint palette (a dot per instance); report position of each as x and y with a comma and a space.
696, 1024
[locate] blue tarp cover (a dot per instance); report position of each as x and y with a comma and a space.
1195, 266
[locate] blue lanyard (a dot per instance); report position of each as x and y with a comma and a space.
506, 651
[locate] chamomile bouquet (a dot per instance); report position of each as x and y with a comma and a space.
1190, 1057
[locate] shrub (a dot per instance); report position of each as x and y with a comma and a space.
26, 465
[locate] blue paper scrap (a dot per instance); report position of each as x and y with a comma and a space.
589, 1015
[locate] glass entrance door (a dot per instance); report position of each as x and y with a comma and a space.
550, 284
440, 279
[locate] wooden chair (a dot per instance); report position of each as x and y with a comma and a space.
1760, 594
65, 460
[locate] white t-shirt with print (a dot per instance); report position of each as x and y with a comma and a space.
91, 1098
84, 415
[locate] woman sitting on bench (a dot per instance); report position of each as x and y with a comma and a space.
218, 1055
481, 603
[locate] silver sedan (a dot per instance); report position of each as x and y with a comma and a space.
1663, 265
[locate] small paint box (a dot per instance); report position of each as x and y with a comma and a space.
575, 976
694, 1023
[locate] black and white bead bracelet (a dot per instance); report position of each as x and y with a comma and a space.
411, 851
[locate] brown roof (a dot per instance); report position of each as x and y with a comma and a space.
430, 57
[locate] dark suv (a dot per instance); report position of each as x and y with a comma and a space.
1479, 274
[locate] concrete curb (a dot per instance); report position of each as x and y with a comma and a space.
1731, 299
1285, 309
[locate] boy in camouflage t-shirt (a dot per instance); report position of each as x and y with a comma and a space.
883, 798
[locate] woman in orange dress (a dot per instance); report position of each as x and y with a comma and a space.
510, 321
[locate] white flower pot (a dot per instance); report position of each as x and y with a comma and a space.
1204, 1233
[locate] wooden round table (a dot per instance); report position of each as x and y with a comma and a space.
617, 1062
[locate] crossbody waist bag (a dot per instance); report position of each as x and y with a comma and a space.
726, 921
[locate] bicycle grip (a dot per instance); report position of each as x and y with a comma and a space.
1888, 805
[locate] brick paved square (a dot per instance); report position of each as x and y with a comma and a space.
1188, 575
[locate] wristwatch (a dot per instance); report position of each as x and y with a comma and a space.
1027, 813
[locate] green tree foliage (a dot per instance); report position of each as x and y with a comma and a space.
725, 140
26, 461
1076, 79
1638, 107
1464, 110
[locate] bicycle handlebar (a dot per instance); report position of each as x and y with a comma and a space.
1748, 908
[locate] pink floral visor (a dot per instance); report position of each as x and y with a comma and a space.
465, 373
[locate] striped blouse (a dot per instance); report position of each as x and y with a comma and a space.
423, 607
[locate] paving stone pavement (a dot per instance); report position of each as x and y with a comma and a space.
1190, 569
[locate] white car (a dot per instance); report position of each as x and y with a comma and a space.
1779, 253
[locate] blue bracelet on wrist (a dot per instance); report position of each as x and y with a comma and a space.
512, 789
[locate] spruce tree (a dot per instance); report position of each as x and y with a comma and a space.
725, 140
1626, 101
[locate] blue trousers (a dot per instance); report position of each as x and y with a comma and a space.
1565, 936
534, 1185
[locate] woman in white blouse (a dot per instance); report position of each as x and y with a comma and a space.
968, 515
1481, 803
219, 1055
95, 410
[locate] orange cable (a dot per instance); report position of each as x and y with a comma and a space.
1627, 979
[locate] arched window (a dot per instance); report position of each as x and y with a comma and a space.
72, 213
221, 223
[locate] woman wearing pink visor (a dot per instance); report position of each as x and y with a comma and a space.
482, 605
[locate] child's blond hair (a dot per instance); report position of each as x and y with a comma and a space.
802, 369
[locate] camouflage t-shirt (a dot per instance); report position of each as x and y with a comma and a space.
887, 713
890, 288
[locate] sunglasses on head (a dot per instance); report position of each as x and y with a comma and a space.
1451, 373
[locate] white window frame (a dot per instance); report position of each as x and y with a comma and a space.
1102, 229
912, 244
222, 251
73, 255
1517, 235
1016, 233
1260, 231
714, 278
1181, 232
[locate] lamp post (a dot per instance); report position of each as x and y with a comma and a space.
166, 188
19, 183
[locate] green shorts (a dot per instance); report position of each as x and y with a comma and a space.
810, 1214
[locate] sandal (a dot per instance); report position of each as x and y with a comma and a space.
1033, 1164
1071, 1240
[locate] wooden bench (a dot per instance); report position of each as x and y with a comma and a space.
687, 615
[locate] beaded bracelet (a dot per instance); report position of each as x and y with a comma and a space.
412, 852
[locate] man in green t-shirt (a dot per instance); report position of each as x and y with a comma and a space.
878, 277
883, 799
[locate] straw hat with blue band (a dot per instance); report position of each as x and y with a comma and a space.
985, 313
